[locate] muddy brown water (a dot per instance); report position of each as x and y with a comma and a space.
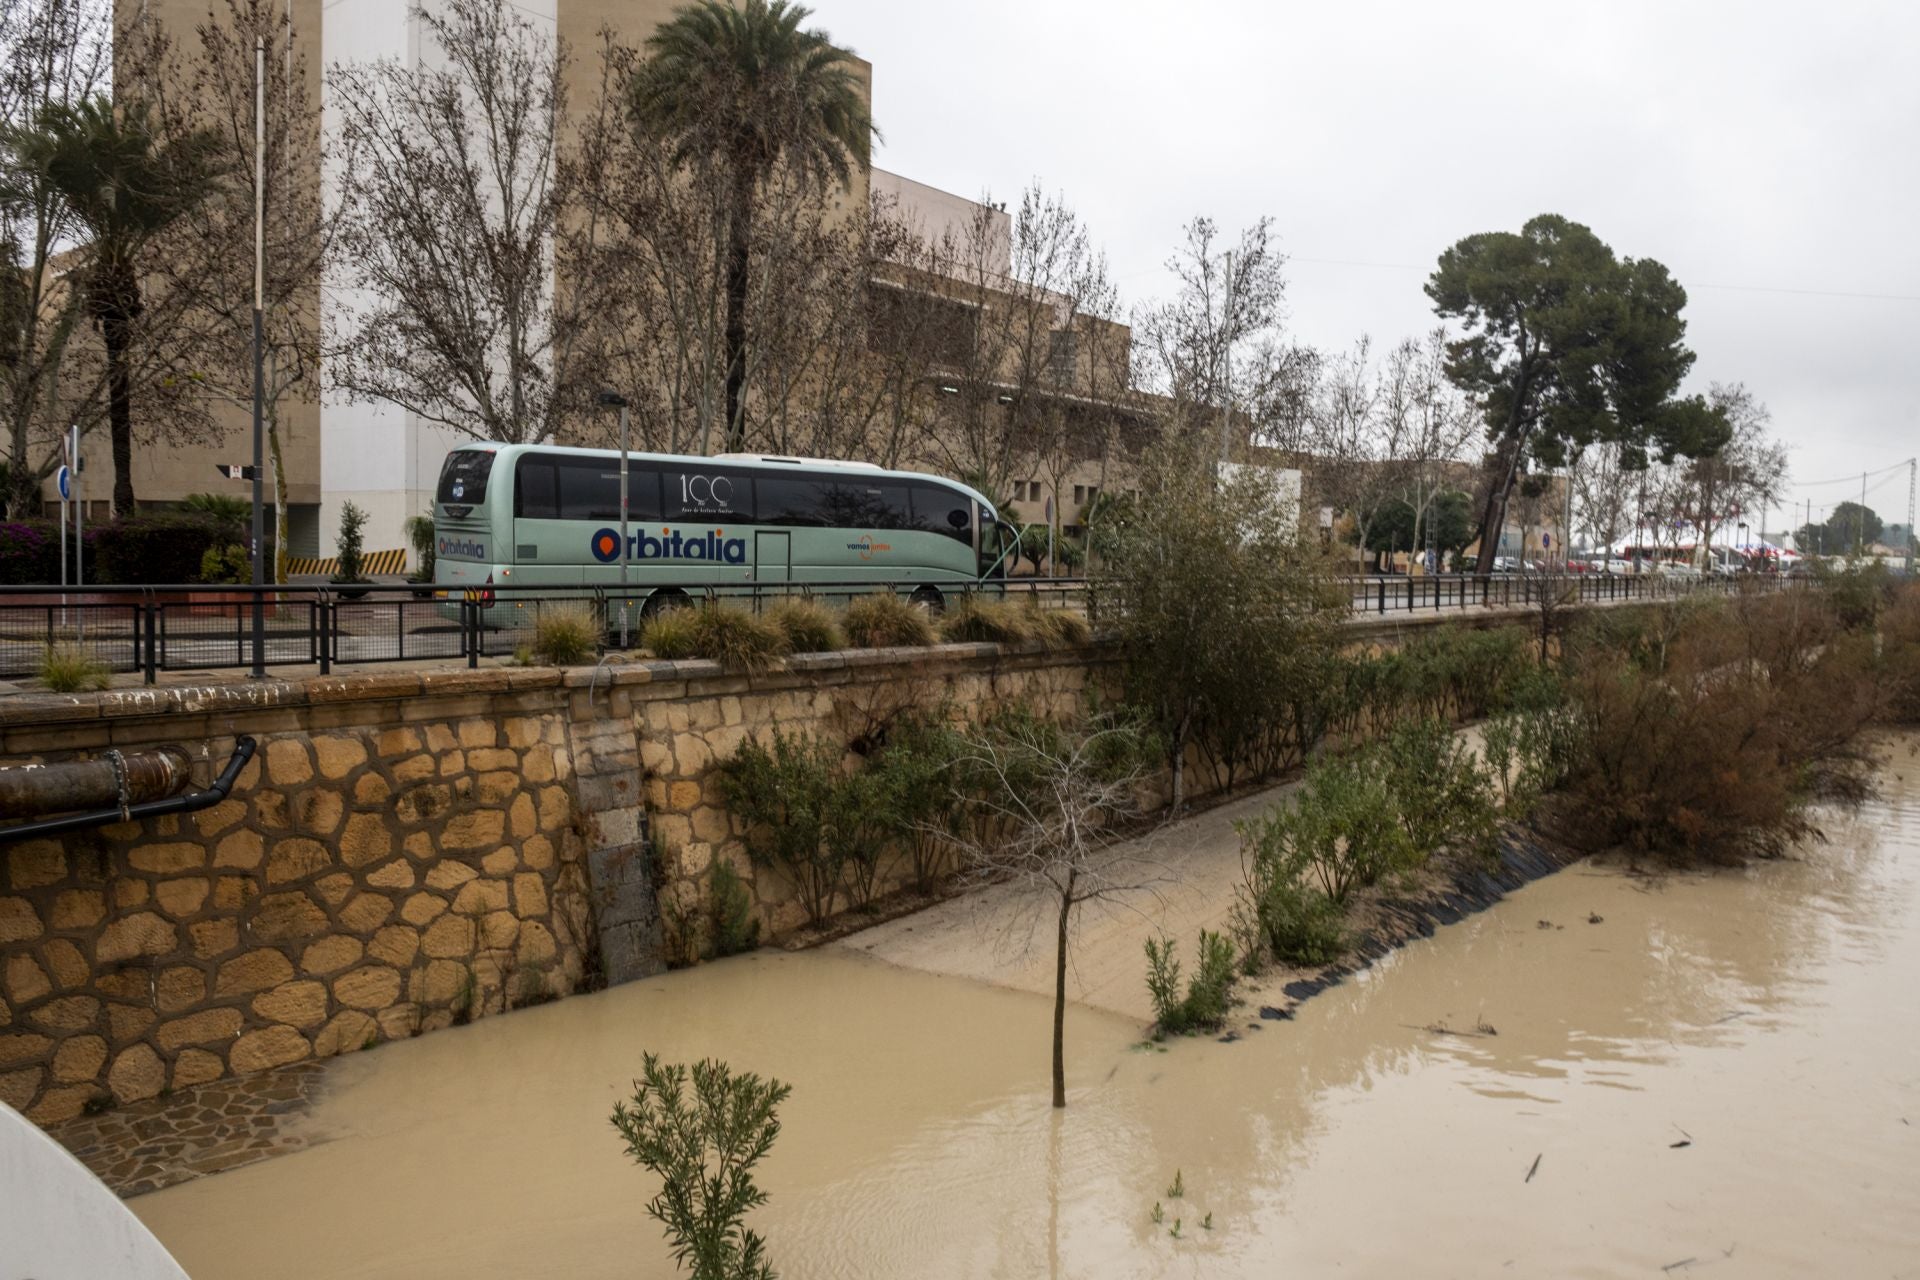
1766, 1018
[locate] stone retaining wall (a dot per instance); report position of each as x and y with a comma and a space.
687, 727
409, 850
405, 851
383, 867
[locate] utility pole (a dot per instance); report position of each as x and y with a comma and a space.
79, 512
1913, 468
1860, 521
1226, 361
259, 351
614, 400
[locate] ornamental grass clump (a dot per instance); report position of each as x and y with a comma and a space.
671, 634
68, 668
566, 635
736, 639
882, 620
809, 626
974, 619
1063, 628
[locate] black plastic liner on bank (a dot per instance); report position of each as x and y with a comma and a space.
1473, 887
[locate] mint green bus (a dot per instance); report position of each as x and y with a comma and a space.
545, 516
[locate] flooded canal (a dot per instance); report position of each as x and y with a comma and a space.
1701, 1073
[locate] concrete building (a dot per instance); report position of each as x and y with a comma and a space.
387, 460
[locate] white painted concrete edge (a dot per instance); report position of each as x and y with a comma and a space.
59, 1222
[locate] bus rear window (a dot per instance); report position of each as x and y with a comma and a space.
463, 478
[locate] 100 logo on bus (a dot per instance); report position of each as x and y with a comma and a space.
712, 546
706, 493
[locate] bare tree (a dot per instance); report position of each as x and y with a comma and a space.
1604, 493
216, 72
1354, 441
1024, 297
449, 201
1749, 471
843, 318
1048, 802
1427, 423
1197, 346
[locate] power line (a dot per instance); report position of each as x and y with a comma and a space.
1736, 288
1855, 478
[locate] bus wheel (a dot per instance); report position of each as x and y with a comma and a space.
930, 597
661, 601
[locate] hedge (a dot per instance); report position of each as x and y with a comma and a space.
29, 552
156, 550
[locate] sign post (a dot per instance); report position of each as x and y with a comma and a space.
1050, 568
79, 508
64, 479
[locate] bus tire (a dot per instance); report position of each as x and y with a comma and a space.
930, 597
661, 601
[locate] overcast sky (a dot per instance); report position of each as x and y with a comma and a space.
1767, 153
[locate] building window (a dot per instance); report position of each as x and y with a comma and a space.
1062, 351
1079, 495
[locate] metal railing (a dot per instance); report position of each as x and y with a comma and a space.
148, 630
1399, 593
187, 628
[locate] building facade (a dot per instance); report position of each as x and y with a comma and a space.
386, 460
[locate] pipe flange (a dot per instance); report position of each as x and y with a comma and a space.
119, 764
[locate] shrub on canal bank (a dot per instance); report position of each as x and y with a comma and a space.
704, 1148
1707, 739
1204, 1005
783, 793
1900, 628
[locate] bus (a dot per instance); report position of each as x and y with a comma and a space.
547, 516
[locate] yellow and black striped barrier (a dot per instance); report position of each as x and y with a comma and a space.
373, 564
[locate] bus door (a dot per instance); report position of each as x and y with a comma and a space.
772, 556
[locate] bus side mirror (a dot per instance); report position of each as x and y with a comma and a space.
957, 518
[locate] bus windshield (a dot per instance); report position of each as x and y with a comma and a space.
996, 548
463, 480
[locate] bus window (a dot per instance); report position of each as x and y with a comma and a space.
463, 480
589, 489
938, 509
865, 504
535, 492
710, 493
789, 500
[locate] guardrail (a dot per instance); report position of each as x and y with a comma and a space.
187, 628
1400, 593
195, 628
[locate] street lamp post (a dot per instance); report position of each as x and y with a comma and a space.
614, 400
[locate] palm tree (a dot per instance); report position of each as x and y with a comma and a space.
125, 184
745, 89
